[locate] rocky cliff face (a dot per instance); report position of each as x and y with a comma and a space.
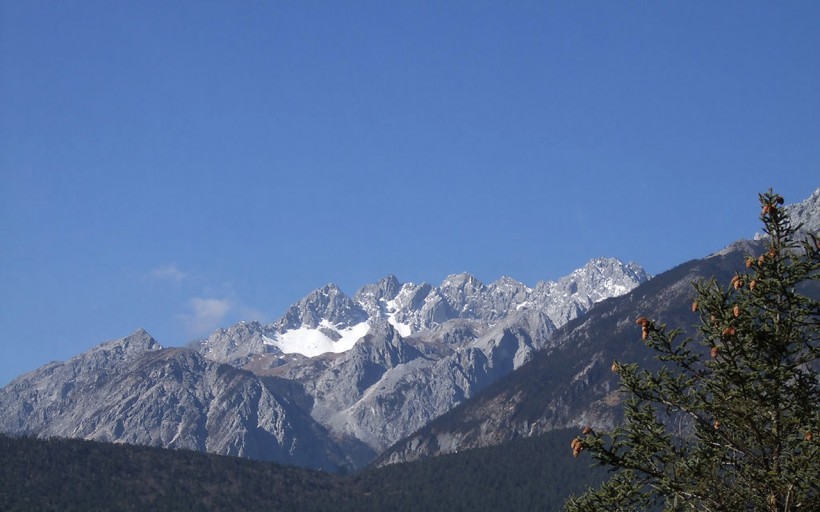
132, 390
327, 320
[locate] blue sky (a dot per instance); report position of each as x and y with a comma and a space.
180, 166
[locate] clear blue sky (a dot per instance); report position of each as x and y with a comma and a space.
180, 166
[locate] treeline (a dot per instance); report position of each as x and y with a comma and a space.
60, 474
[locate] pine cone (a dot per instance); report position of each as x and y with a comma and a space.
577, 446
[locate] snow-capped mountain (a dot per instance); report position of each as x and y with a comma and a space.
327, 320
330, 384
338, 379
381, 364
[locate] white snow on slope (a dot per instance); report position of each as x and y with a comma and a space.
313, 342
404, 330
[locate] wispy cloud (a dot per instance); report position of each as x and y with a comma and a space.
167, 273
205, 315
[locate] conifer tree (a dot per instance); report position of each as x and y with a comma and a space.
731, 419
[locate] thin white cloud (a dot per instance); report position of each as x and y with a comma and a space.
206, 315
168, 273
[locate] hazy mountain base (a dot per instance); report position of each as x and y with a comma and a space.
66, 475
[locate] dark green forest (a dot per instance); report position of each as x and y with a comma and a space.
60, 474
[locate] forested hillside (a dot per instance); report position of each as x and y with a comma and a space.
526, 474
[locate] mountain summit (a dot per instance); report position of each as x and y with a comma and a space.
328, 321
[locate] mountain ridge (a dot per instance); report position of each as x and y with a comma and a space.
413, 370
463, 336
328, 312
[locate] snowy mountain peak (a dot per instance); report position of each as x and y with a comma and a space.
386, 288
326, 337
371, 297
327, 320
329, 304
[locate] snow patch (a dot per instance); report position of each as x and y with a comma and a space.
313, 342
404, 330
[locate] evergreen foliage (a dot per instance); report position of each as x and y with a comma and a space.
730, 423
74, 475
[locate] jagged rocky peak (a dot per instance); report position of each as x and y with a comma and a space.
135, 343
613, 277
807, 213
327, 320
601, 278
507, 290
412, 296
138, 341
462, 292
412, 306
236, 344
328, 303
384, 345
373, 298
608, 266
386, 288
464, 283
508, 283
